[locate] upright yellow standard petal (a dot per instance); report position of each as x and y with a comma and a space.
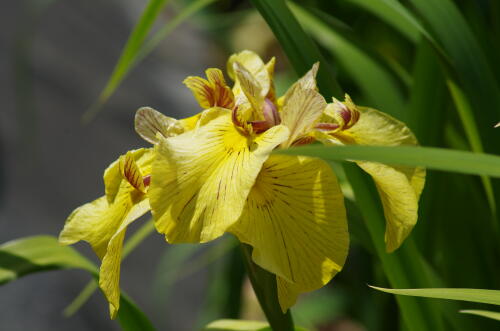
295, 220
201, 179
251, 88
399, 187
302, 107
213, 92
103, 222
262, 72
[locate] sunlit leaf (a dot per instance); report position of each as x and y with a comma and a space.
463, 294
432, 158
484, 313
39, 253
395, 14
301, 50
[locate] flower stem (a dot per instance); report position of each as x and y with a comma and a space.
264, 286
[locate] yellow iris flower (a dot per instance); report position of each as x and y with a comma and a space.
214, 173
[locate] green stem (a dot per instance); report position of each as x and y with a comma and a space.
264, 286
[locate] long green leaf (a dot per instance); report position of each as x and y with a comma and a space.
134, 43
375, 81
467, 61
491, 297
430, 157
131, 318
157, 38
28, 255
394, 14
294, 41
484, 313
39, 253
471, 130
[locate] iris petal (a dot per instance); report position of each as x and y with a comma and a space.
103, 222
295, 220
399, 187
201, 179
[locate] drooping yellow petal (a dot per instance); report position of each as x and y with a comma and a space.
102, 223
251, 88
201, 179
399, 187
302, 107
109, 274
398, 197
149, 122
295, 220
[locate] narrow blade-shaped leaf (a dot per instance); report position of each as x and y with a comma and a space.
432, 158
463, 294
484, 313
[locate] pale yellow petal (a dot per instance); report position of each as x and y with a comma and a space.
149, 122
87, 223
271, 90
301, 111
109, 275
251, 88
250, 60
399, 187
398, 199
288, 293
263, 73
378, 129
295, 220
201, 178
102, 223
190, 123
308, 81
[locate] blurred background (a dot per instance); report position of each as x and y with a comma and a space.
55, 60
